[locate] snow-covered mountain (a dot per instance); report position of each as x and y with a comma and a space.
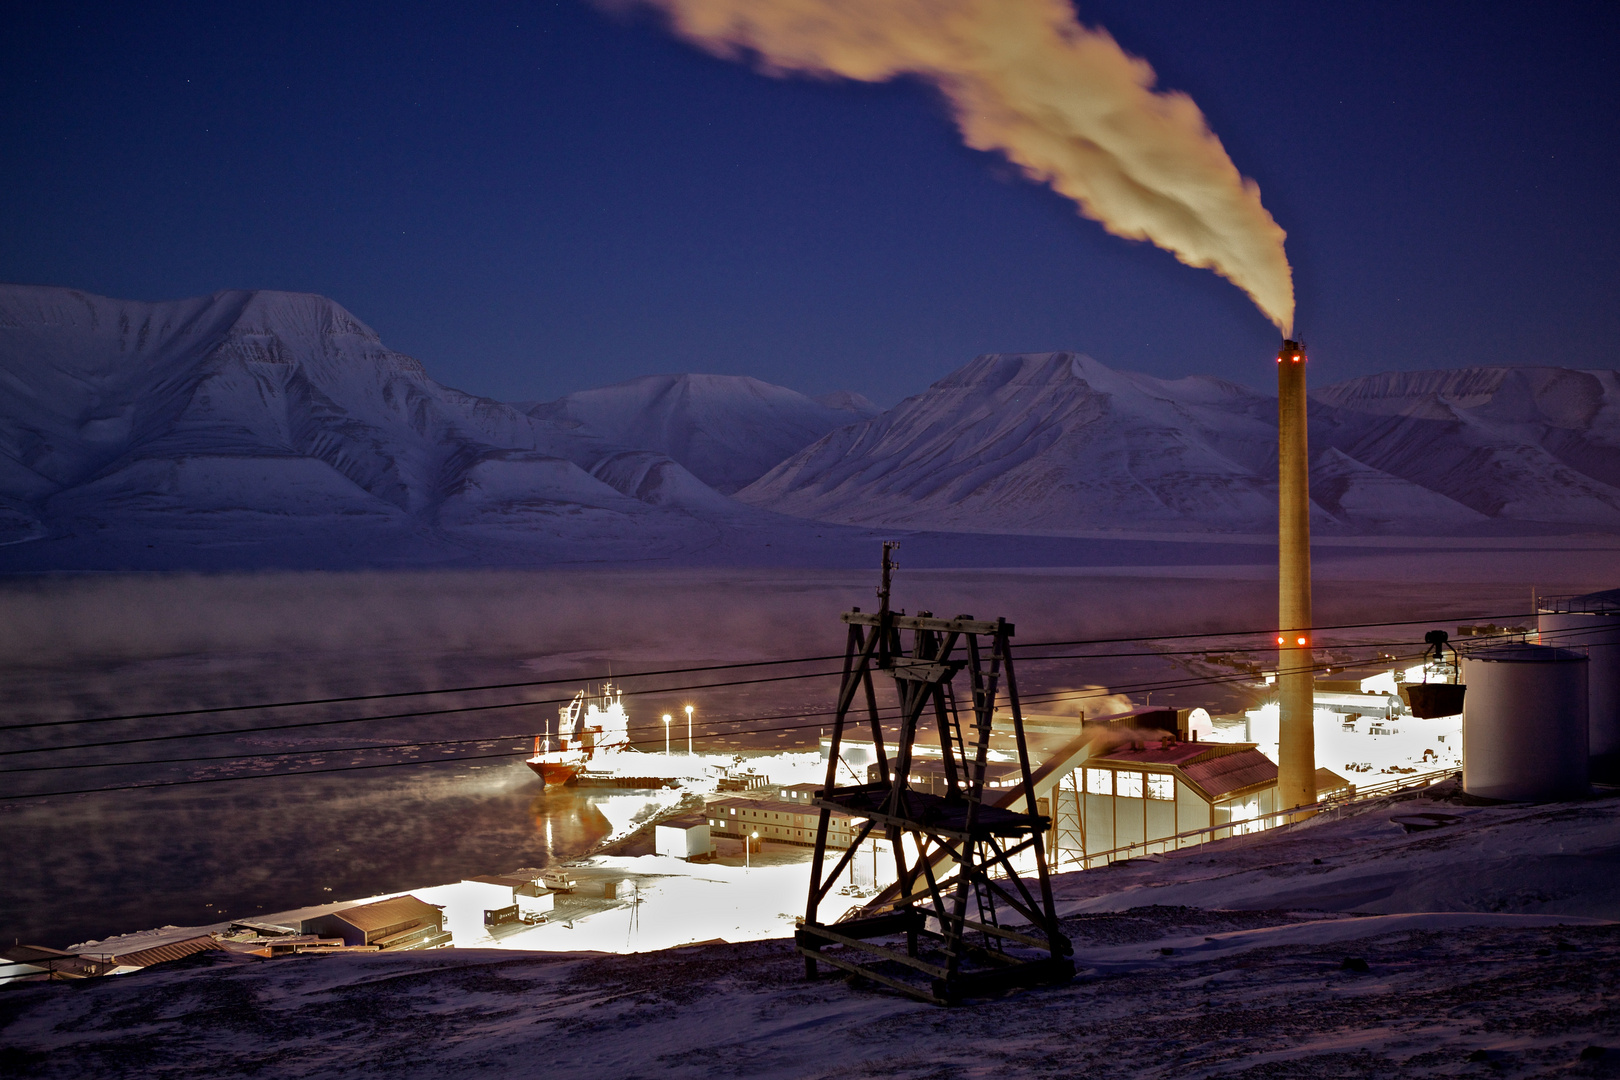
1057, 442
1039, 443
728, 430
266, 428
281, 422
1513, 444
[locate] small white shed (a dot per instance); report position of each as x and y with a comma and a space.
528, 893
682, 837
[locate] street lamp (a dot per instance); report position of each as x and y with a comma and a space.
689, 731
666, 734
748, 848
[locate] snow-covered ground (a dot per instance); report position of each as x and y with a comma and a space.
1484, 945
1557, 859
1365, 749
700, 770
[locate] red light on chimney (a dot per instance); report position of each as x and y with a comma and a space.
1302, 641
1279, 639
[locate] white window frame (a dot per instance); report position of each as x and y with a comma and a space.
1099, 781
1128, 784
1165, 782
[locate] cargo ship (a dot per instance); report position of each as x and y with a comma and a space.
588, 728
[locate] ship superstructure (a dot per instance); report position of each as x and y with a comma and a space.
589, 727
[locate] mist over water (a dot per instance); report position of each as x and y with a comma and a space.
78, 867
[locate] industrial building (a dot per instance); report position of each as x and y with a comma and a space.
800, 794
683, 837
928, 774
26, 961
392, 925
1113, 786
784, 820
484, 908
124, 963
1140, 798
528, 894
40, 961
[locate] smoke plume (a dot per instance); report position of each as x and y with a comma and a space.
1062, 101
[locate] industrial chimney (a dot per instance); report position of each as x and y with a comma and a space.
1296, 681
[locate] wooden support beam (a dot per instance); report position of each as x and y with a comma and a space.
916, 622
807, 935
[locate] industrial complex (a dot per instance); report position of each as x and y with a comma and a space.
922, 855
1539, 722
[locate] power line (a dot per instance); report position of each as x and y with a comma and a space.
309, 752
1219, 680
1273, 630
385, 716
405, 693
421, 714
352, 698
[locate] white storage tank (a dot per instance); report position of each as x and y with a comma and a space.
1591, 623
1524, 723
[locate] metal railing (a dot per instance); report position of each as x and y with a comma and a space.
1601, 603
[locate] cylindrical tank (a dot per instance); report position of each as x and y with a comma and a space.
1524, 723
1591, 623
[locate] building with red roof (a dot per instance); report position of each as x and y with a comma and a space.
1141, 794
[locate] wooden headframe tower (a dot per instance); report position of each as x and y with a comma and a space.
954, 852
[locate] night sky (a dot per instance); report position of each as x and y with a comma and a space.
536, 198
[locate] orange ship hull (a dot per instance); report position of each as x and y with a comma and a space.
555, 773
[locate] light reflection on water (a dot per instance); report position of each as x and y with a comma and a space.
79, 867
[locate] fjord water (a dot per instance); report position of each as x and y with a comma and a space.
85, 866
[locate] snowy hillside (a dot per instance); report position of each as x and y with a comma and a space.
1525, 444
276, 429
728, 430
1057, 442
1040, 443
278, 425
1348, 946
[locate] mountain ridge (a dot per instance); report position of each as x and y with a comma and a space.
258, 414
727, 430
253, 425
1058, 442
